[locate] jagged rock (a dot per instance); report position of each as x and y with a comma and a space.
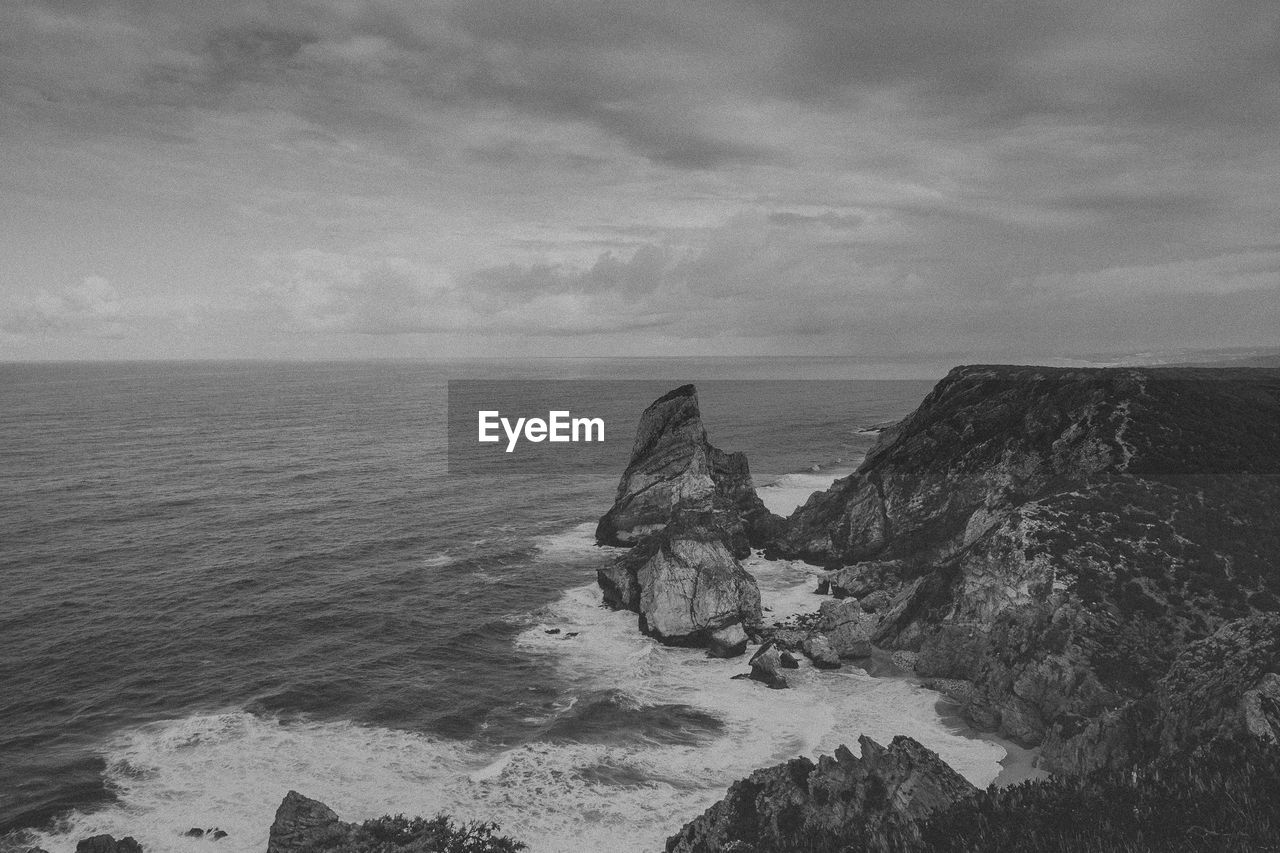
818, 648
846, 628
304, 825
824, 586
727, 642
108, 844
766, 666
788, 660
687, 587
876, 803
673, 464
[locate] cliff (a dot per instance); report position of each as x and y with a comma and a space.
1055, 538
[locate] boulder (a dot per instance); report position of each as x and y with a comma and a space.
687, 587
846, 627
673, 464
819, 650
878, 802
727, 642
766, 667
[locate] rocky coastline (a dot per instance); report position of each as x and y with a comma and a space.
1083, 562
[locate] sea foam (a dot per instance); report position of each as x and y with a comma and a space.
576, 787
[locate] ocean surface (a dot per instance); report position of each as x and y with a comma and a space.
223, 581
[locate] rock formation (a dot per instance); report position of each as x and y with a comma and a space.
686, 585
690, 512
1056, 537
767, 666
108, 844
877, 802
846, 628
303, 825
673, 464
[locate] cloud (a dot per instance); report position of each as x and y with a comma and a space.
91, 308
856, 176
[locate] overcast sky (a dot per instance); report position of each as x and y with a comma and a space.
878, 178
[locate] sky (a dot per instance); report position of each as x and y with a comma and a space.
880, 179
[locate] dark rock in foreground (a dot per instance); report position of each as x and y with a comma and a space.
673, 464
108, 844
878, 802
304, 825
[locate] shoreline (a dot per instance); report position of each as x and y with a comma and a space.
1019, 763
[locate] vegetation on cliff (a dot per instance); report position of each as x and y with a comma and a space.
304, 825
1223, 801
1056, 537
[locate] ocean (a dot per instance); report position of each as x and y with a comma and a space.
223, 581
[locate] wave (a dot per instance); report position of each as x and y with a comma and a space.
783, 495
600, 650
636, 739
576, 543
641, 738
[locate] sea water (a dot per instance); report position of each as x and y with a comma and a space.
220, 582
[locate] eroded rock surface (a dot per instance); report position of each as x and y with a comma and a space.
875, 803
673, 464
687, 586
1055, 538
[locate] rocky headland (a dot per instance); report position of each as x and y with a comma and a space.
1054, 539
1083, 559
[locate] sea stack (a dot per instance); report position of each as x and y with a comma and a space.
673, 464
689, 512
